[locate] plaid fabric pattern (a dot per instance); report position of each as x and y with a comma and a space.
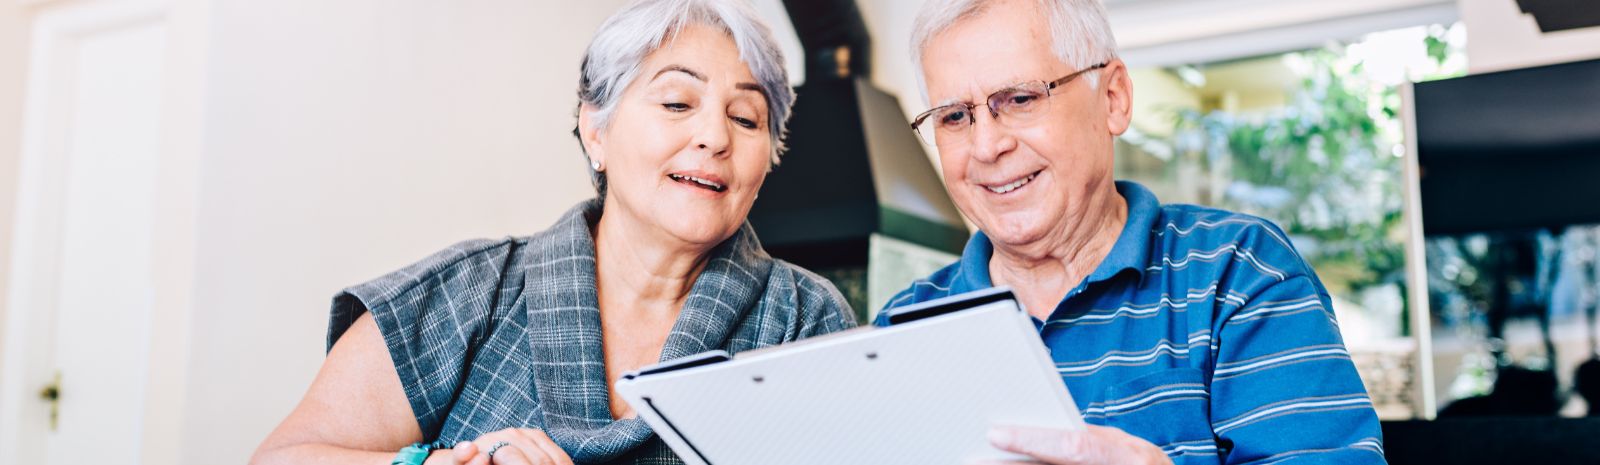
494, 334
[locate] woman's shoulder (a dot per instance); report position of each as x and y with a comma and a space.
477, 267
811, 285
475, 260
817, 302
457, 282
458, 265
472, 253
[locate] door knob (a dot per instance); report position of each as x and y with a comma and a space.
52, 394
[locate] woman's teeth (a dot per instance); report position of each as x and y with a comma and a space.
1014, 185
700, 181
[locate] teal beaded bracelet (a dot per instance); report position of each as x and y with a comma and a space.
416, 453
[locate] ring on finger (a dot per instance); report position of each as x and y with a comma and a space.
496, 447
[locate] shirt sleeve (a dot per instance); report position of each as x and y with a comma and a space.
900, 299
1283, 385
431, 314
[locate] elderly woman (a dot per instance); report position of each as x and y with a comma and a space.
504, 350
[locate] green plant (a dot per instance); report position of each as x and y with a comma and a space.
1324, 166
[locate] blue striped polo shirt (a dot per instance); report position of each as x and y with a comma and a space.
1203, 332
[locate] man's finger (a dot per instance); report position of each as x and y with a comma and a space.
1059, 447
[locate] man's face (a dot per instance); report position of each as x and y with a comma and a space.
1022, 182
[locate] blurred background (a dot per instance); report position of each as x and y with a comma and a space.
184, 184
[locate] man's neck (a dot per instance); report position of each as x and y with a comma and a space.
1042, 275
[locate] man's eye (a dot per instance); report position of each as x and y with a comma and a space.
676, 107
1020, 99
955, 117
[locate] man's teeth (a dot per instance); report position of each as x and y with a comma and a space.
700, 181
1013, 186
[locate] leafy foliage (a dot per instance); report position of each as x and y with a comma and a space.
1324, 166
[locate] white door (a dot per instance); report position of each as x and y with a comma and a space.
84, 270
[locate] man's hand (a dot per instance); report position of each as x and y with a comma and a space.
1098, 445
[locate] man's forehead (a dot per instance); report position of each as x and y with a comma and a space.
963, 82
974, 70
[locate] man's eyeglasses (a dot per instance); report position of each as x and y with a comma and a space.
1020, 103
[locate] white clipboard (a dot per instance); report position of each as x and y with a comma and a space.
923, 390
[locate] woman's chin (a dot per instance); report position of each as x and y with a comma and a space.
706, 230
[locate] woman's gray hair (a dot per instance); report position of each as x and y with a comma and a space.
1080, 34
620, 47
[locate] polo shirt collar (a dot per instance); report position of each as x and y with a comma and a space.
1131, 251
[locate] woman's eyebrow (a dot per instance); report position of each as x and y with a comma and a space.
680, 69
751, 86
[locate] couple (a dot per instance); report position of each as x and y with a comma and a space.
1186, 334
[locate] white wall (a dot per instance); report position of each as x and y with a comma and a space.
344, 140
1501, 37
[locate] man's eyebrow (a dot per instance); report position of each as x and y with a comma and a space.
680, 69
956, 100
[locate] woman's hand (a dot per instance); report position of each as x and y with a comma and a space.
1097, 445
524, 446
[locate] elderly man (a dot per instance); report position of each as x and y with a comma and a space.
1185, 334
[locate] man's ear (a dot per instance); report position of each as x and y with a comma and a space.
1119, 96
589, 134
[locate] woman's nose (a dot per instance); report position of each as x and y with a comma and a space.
712, 133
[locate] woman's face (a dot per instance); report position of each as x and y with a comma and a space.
688, 147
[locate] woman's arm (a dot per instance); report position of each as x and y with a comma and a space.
355, 412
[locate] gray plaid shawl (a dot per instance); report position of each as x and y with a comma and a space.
493, 334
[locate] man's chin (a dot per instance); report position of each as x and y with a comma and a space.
1016, 232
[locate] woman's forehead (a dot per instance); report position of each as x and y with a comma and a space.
710, 53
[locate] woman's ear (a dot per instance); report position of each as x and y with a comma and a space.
589, 135
1119, 96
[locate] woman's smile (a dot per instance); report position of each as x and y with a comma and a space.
700, 181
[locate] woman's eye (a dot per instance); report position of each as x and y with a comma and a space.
676, 107
744, 122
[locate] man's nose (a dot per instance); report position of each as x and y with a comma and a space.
990, 139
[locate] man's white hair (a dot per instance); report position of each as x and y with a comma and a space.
1080, 34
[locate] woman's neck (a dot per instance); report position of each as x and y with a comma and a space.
634, 262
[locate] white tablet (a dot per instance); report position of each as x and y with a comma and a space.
924, 390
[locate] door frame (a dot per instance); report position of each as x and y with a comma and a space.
58, 26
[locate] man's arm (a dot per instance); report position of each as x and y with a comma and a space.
1283, 385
